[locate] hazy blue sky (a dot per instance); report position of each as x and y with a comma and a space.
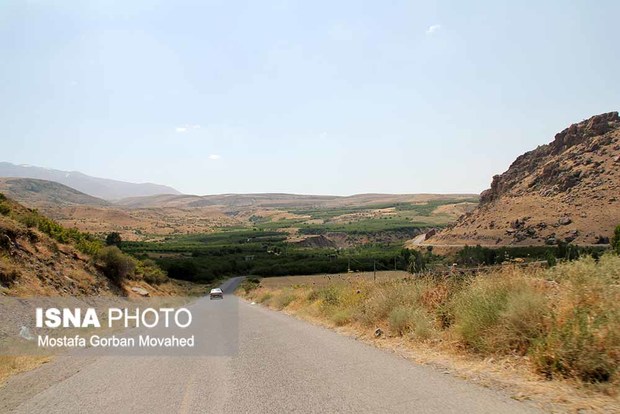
336, 97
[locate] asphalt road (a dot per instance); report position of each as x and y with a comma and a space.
282, 365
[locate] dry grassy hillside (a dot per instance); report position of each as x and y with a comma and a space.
41, 193
273, 200
568, 190
33, 263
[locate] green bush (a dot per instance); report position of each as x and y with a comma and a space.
148, 271
113, 239
417, 262
551, 259
249, 284
4, 209
330, 295
116, 265
615, 242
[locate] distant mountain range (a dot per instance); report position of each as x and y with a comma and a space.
94, 186
45, 188
42, 194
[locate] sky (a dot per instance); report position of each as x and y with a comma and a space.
314, 97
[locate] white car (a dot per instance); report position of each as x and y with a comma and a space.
216, 293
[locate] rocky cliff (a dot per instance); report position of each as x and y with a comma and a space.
567, 190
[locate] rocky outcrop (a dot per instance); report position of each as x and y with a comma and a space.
566, 190
553, 174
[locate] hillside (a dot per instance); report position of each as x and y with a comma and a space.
282, 200
40, 258
94, 186
41, 193
568, 190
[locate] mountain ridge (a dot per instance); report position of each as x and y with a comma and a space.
104, 188
567, 190
42, 193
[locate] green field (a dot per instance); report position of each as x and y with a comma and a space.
375, 237
206, 257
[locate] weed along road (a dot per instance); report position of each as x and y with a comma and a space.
280, 365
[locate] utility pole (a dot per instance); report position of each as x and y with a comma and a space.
374, 270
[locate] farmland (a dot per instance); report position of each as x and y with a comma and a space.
301, 240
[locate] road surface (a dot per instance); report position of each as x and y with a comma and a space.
283, 365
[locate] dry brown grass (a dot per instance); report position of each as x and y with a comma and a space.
11, 365
322, 280
550, 335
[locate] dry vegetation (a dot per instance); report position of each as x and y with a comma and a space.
560, 324
142, 224
567, 189
38, 257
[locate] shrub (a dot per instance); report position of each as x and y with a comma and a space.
283, 300
249, 284
313, 295
413, 322
583, 339
116, 265
487, 312
113, 239
148, 270
330, 295
399, 320
8, 273
156, 277
521, 323
88, 246
615, 241
4, 209
580, 348
182, 269
384, 298
417, 263
341, 317
265, 297
30, 220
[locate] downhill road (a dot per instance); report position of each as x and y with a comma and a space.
282, 365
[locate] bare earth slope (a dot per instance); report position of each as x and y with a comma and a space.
566, 190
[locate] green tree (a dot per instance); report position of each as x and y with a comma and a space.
615, 241
113, 239
417, 263
551, 259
